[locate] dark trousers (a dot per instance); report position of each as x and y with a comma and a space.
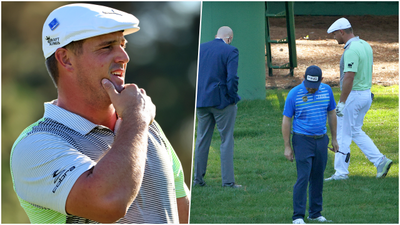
311, 157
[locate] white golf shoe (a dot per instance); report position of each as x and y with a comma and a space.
337, 177
298, 221
383, 167
320, 219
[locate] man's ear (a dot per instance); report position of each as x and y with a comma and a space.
63, 57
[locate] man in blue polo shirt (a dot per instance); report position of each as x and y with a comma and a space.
310, 104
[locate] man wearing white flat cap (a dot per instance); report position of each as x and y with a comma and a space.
356, 67
97, 155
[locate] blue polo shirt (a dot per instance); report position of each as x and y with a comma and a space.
310, 111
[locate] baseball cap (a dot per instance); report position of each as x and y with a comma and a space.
313, 77
78, 21
339, 24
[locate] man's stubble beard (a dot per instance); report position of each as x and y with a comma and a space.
95, 96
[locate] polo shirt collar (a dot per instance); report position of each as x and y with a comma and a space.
69, 119
352, 39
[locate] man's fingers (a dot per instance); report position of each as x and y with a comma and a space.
333, 149
131, 101
289, 157
109, 86
336, 147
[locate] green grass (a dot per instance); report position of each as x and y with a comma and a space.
268, 178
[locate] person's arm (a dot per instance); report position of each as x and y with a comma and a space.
105, 192
332, 121
232, 82
286, 127
347, 86
183, 209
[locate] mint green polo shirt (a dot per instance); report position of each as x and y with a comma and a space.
358, 58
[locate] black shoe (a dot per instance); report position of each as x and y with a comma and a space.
201, 184
233, 185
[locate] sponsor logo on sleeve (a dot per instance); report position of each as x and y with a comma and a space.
59, 177
350, 65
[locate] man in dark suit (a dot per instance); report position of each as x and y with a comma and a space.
216, 104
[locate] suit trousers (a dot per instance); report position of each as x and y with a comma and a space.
349, 129
225, 120
311, 157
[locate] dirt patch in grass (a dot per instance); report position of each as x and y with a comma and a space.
315, 47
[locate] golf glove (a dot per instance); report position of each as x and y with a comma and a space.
339, 109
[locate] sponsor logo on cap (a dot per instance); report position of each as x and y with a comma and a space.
312, 78
53, 41
54, 24
112, 12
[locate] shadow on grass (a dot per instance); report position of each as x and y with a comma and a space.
357, 200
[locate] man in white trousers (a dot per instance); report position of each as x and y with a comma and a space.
356, 67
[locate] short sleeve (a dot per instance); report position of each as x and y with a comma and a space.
332, 102
350, 61
44, 169
180, 186
179, 177
289, 108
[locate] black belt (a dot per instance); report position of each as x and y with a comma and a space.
311, 136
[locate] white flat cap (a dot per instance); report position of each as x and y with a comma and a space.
76, 22
339, 24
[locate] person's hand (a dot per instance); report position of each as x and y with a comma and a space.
132, 103
289, 153
335, 145
339, 109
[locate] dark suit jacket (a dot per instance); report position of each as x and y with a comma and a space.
217, 83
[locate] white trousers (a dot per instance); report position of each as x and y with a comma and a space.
349, 129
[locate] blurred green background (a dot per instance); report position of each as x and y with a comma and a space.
163, 61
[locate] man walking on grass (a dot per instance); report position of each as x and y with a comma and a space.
309, 104
356, 67
216, 104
